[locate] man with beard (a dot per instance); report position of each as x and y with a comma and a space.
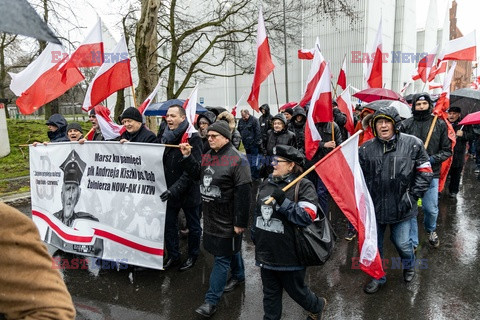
182, 191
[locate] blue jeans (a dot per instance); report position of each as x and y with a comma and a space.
430, 212
400, 237
218, 277
252, 156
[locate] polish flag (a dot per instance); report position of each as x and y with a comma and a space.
344, 102
426, 63
341, 173
464, 48
434, 85
90, 52
316, 70
41, 81
373, 75
342, 76
437, 70
440, 111
306, 54
190, 106
263, 65
144, 106
113, 75
409, 82
320, 111
110, 130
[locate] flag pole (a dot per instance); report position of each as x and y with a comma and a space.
291, 184
276, 94
134, 99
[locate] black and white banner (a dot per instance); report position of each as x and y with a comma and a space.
101, 199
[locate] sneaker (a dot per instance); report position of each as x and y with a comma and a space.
433, 239
350, 235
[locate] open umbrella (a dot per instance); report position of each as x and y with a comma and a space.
403, 109
216, 110
471, 118
373, 94
160, 108
468, 100
18, 17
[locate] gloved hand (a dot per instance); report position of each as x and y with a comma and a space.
279, 196
406, 203
165, 195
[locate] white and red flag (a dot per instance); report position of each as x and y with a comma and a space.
437, 69
306, 54
113, 75
344, 102
90, 52
440, 110
463, 48
263, 64
190, 106
110, 130
316, 70
144, 106
373, 67
342, 76
425, 64
320, 110
42, 81
341, 173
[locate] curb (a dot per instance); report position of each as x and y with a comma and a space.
16, 199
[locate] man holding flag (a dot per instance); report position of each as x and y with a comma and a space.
394, 188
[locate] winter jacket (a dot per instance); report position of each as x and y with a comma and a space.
274, 236
340, 119
230, 119
31, 286
284, 137
325, 131
461, 144
440, 147
142, 135
298, 128
225, 184
60, 135
250, 131
265, 121
185, 190
210, 117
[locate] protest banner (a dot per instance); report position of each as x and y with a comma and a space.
101, 199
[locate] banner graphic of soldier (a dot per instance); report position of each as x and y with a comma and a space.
101, 199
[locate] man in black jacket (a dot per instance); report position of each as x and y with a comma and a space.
397, 172
265, 122
463, 134
135, 131
183, 192
226, 201
439, 149
249, 129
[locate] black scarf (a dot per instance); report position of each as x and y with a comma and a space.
172, 136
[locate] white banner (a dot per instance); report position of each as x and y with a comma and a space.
101, 199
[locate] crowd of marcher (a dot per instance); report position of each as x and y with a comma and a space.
398, 168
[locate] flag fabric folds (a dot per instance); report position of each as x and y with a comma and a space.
425, 65
463, 48
113, 75
436, 70
344, 102
42, 81
90, 52
353, 198
316, 70
190, 106
342, 76
263, 65
373, 74
144, 106
110, 130
305, 54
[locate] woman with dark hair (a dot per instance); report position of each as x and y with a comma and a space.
274, 236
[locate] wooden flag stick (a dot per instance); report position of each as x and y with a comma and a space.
432, 126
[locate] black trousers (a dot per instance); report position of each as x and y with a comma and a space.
294, 284
455, 174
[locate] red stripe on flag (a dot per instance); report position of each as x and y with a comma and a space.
264, 66
468, 54
312, 85
88, 55
375, 79
323, 111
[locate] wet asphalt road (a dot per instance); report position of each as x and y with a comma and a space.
446, 286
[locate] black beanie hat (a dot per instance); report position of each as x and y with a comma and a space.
222, 128
289, 153
132, 113
74, 125
289, 111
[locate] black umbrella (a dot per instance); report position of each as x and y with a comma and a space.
403, 109
468, 100
18, 17
216, 110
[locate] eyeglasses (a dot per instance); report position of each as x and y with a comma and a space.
203, 122
276, 161
213, 136
92, 116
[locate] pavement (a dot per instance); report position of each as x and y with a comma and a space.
446, 285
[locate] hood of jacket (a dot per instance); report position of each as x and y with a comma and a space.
208, 115
389, 113
58, 121
266, 108
229, 118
